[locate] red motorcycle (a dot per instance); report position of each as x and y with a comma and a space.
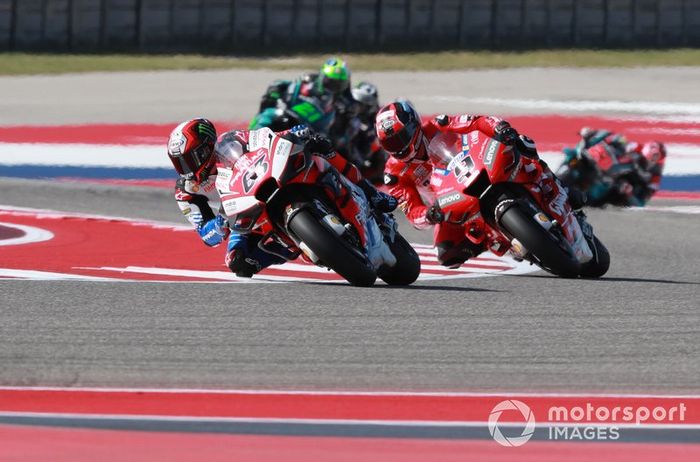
285, 193
494, 192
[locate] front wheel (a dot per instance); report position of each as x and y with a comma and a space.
407, 267
553, 254
332, 250
600, 262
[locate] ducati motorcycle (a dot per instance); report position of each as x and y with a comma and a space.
496, 194
289, 195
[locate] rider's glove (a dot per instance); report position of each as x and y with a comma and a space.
301, 132
442, 120
213, 231
380, 201
319, 144
434, 215
506, 134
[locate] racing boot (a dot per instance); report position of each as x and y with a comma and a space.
378, 250
380, 201
454, 255
244, 258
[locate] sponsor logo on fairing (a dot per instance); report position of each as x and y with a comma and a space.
474, 137
223, 178
465, 144
490, 152
448, 199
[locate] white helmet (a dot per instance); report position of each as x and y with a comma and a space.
366, 93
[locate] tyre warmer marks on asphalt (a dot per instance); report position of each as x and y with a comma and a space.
98, 248
379, 426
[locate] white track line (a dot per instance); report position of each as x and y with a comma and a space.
85, 155
12, 210
47, 275
643, 107
682, 209
320, 421
244, 391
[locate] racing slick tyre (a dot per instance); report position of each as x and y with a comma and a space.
407, 267
554, 255
600, 263
332, 250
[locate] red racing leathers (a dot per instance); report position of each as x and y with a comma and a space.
651, 157
409, 182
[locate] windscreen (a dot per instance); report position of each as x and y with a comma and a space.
228, 149
443, 148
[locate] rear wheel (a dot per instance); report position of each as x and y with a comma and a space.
407, 267
553, 254
332, 250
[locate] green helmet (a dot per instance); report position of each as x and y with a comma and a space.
335, 76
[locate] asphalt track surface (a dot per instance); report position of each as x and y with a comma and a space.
173, 96
634, 331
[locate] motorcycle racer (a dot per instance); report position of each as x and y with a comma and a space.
408, 170
323, 90
353, 130
192, 150
654, 153
648, 158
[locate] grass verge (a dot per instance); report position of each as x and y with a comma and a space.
42, 63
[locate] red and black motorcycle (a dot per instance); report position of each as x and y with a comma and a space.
495, 193
285, 193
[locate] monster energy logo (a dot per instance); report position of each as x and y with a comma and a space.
206, 130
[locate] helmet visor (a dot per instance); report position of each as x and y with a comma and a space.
335, 85
400, 141
191, 164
